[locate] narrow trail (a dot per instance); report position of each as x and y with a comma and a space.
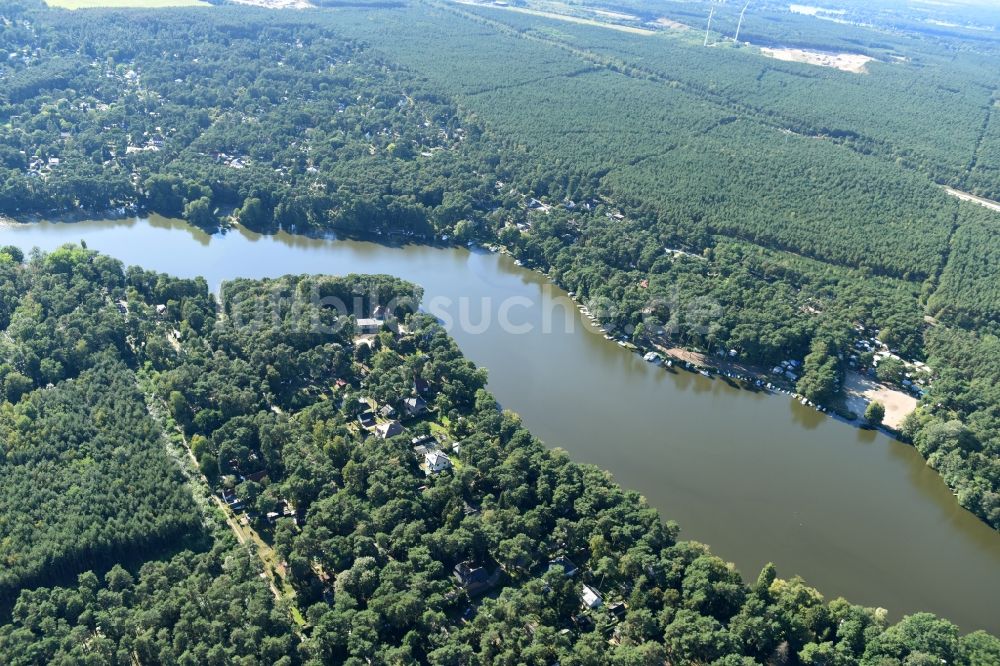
974, 160
246, 536
934, 279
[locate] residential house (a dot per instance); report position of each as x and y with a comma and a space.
282, 510
590, 597
367, 419
424, 444
436, 461
257, 476
231, 500
474, 577
569, 569
415, 406
583, 623
427, 440
388, 429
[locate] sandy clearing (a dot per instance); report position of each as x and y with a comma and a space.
615, 15
686, 355
124, 4
722, 364
860, 390
561, 17
965, 196
810, 10
670, 23
846, 62
276, 4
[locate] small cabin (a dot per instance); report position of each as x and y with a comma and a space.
369, 325
590, 597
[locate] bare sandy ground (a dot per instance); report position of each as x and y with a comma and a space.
860, 390
847, 62
615, 15
276, 4
124, 4
725, 364
685, 355
810, 10
670, 23
562, 17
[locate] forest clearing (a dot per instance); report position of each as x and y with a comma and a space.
845, 62
562, 17
116, 4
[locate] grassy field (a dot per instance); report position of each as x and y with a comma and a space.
148, 4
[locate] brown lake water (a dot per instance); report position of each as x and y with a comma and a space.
758, 477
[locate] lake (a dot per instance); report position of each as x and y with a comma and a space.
758, 477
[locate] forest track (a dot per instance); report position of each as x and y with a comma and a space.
966, 196
245, 535
974, 160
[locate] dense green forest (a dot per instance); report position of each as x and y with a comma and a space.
204, 607
90, 497
815, 214
267, 396
966, 293
83, 478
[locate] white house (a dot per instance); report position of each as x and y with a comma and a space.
436, 461
590, 597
